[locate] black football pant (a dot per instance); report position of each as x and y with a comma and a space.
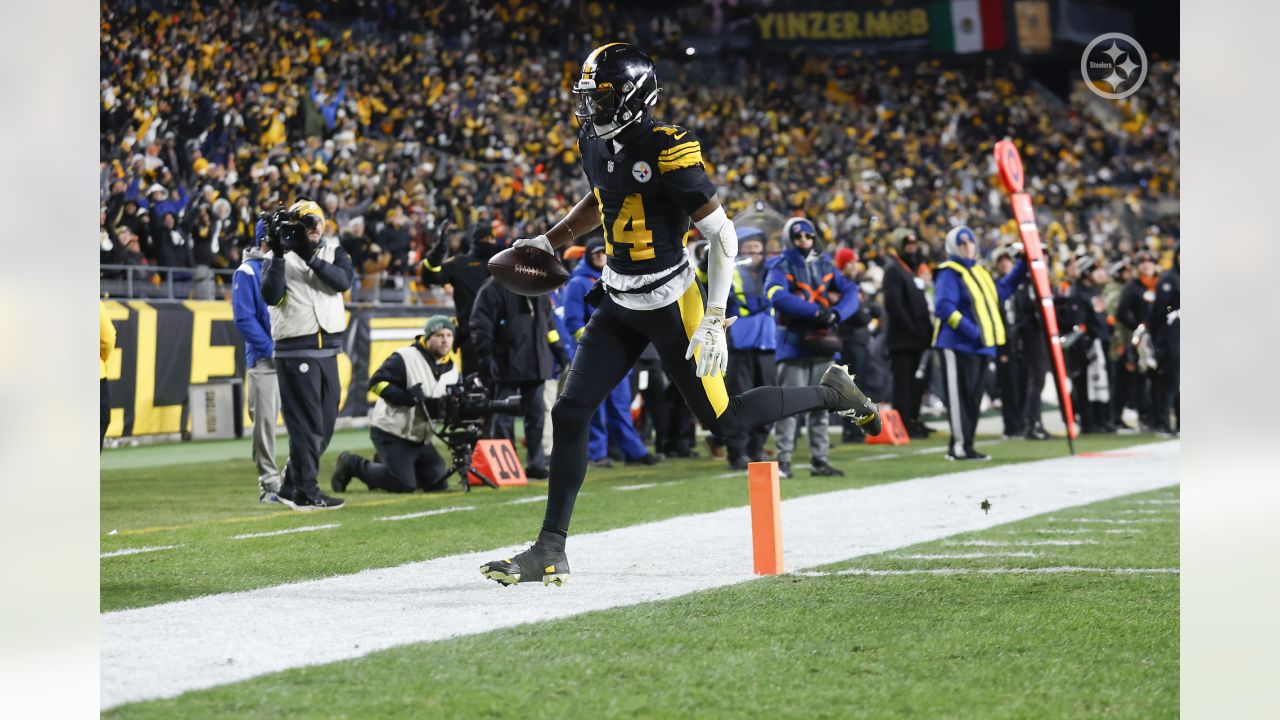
104, 412
309, 401
613, 340
402, 466
749, 369
966, 378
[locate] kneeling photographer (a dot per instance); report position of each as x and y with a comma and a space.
413, 379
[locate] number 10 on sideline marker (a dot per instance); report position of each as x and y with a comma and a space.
766, 517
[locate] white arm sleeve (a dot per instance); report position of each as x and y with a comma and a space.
722, 249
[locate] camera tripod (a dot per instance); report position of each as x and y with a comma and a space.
461, 439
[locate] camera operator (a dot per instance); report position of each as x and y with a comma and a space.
303, 283
412, 378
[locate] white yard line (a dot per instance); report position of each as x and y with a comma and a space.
135, 551
526, 501
165, 650
1052, 531
995, 571
1154, 502
637, 486
1020, 543
965, 556
1145, 512
427, 513
1112, 521
307, 528
1122, 532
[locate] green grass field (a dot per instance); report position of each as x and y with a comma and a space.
980, 641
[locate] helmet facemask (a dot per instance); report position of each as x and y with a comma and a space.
605, 110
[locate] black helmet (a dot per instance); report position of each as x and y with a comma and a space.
617, 86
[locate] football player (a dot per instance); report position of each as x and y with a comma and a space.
647, 182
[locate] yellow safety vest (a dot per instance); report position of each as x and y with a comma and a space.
986, 301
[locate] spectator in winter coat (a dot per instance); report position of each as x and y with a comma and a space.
516, 344
1166, 332
971, 325
910, 327
253, 320
809, 299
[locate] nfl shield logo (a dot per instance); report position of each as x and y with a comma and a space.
609, 167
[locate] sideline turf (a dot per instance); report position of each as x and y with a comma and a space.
200, 507
970, 646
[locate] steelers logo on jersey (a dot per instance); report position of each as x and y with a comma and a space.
641, 171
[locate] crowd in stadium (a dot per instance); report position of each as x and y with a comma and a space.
411, 126
413, 118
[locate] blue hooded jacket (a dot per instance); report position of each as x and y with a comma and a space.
252, 318
576, 310
798, 286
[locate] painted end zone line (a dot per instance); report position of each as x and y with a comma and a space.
135, 551
427, 513
166, 650
305, 528
994, 571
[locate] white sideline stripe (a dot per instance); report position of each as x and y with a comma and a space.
637, 486
965, 556
427, 513
1020, 543
166, 650
526, 501
1112, 521
135, 551
995, 571
306, 528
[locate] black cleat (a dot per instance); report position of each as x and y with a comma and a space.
853, 402
343, 472
544, 561
536, 472
822, 468
302, 503
784, 470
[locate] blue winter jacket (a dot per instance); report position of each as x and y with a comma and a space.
250, 310
951, 295
755, 328
798, 286
576, 310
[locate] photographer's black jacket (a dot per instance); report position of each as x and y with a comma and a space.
393, 379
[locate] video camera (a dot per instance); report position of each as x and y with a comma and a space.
287, 231
468, 402
464, 409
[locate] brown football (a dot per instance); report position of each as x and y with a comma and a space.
528, 271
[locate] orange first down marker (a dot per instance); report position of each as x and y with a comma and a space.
766, 517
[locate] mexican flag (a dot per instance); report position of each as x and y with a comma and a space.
966, 26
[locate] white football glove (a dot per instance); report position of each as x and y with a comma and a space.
541, 242
710, 343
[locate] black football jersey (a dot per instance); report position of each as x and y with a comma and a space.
646, 193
